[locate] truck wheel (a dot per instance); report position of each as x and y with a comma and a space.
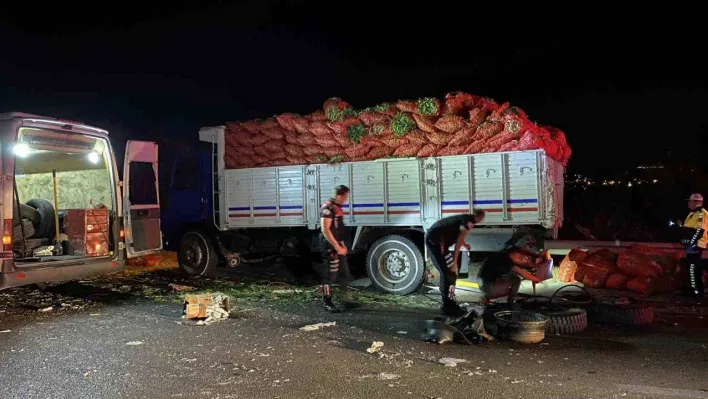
45, 229
395, 265
620, 311
196, 255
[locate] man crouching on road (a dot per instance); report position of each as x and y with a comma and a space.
335, 251
502, 273
438, 239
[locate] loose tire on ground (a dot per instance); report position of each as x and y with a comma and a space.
196, 255
45, 228
395, 265
27, 228
566, 321
620, 312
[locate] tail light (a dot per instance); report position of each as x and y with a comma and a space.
121, 234
7, 235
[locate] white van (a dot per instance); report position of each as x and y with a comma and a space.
64, 215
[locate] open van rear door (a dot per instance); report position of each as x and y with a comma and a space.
141, 199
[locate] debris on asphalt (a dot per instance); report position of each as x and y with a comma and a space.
451, 362
375, 347
209, 307
134, 343
47, 309
5, 331
181, 288
315, 327
402, 332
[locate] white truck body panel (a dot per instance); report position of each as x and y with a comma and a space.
514, 188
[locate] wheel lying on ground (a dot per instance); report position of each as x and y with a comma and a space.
620, 311
45, 228
565, 321
196, 255
395, 265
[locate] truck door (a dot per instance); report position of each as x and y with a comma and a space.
141, 200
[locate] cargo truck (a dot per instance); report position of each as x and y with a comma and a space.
218, 216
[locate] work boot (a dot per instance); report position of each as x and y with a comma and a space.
452, 309
329, 305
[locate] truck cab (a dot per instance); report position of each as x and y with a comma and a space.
66, 214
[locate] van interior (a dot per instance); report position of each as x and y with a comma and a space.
63, 197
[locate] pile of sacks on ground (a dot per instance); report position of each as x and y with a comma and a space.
459, 124
641, 269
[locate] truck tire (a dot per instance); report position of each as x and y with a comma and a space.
46, 226
27, 212
395, 265
566, 321
196, 254
618, 311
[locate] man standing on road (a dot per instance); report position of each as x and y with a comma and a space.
438, 239
695, 240
335, 251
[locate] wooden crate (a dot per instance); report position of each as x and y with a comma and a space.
89, 231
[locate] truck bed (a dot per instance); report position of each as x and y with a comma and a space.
514, 188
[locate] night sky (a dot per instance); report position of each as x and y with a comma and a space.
625, 88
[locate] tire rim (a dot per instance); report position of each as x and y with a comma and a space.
394, 266
191, 255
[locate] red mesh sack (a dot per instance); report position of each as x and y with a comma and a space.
243, 150
291, 138
425, 123
594, 280
333, 151
489, 148
372, 141
616, 281
512, 145
275, 133
286, 121
427, 150
451, 150
649, 251
230, 162
502, 139
306, 139
407, 106
407, 150
261, 150
320, 129
273, 155
569, 265
638, 265
252, 126
297, 160
269, 123
603, 259
642, 285
669, 263
275, 145
358, 150
438, 138
258, 140
342, 126
512, 126
463, 137
456, 103
450, 123
335, 104
379, 152
417, 136
487, 104
313, 149
243, 139
393, 142
343, 140
528, 142
489, 129
476, 147
294, 150
318, 116
301, 124
498, 113
327, 141
258, 159
477, 116
580, 273
371, 118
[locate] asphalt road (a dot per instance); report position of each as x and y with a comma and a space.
124, 338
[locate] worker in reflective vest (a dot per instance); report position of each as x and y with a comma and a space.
695, 240
335, 250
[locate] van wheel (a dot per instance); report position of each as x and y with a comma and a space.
45, 229
196, 255
395, 265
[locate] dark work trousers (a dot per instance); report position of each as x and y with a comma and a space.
694, 264
442, 259
337, 271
